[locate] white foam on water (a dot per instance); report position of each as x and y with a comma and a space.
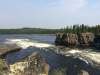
74, 51
77, 53
93, 56
25, 43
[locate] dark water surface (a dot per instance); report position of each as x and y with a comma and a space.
40, 37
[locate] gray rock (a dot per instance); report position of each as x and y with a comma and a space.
86, 39
76, 40
97, 41
7, 48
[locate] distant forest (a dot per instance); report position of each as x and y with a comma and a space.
68, 29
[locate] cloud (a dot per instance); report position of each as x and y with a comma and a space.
74, 5
69, 5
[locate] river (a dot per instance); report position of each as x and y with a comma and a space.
41, 43
40, 37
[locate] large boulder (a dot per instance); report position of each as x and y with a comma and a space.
97, 41
4, 70
86, 39
31, 65
66, 39
70, 40
7, 48
58, 40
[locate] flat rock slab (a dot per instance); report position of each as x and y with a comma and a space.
7, 48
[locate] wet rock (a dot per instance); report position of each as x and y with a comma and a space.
75, 40
66, 39
83, 72
97, 41
4, 70
58, 40
86, 39
7, 48
46, 61
70, 39
36, 61
31, 65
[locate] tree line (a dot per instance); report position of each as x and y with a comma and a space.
28, 31
82, 29
68, 29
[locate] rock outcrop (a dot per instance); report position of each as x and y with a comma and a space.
59, 40
68, 39
36, 61
31, 65
84, 40
8, 48
71, 40
4, 70
97, 41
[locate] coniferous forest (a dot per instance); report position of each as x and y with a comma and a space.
68, 29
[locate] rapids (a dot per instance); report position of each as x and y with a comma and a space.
53, 53
25, 43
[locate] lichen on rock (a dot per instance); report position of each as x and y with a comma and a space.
31, 65
3, 67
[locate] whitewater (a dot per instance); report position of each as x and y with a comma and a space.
90, 57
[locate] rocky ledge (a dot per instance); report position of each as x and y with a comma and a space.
8, 48
83, 40
47, 61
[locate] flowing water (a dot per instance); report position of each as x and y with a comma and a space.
44, 44
40, 37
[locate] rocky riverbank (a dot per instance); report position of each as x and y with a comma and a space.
8, 48
82, 40
47, 59
4, 50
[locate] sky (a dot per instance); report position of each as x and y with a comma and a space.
48, 13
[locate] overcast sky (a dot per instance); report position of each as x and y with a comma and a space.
48, 13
